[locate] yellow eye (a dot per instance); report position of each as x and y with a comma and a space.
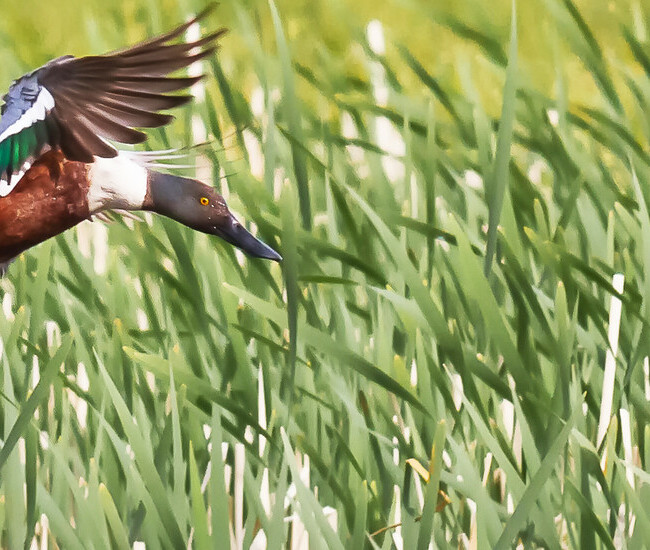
205, 201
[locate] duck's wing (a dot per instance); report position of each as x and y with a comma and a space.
76, 104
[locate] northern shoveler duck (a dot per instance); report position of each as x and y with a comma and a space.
57, 167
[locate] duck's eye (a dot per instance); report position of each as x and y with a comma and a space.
205, 201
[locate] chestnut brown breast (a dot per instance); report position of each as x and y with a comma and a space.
50, 198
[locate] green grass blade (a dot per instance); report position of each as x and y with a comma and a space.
425, 534
114, 521
40, 393
500, 174
531, 494
199, 514
293, 116
145, 463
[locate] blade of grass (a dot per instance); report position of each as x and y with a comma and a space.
531, 494
40, 393
499, 177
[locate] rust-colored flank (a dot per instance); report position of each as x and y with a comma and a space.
51, 198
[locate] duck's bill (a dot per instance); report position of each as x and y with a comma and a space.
236, 234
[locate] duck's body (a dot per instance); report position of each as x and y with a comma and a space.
57, 169
51, 198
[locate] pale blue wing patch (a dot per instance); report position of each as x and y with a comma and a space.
23, 131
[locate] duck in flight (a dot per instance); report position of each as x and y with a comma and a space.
57, 167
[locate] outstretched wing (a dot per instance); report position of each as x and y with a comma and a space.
78, 103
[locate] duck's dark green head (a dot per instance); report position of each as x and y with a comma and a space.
200, 207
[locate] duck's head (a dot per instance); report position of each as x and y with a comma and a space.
200, 207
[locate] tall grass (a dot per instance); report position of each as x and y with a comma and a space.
463, 216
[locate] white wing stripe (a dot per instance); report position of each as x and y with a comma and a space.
42, 106
7, 187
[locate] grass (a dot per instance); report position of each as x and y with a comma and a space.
427, 365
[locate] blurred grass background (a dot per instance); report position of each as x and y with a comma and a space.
427, 366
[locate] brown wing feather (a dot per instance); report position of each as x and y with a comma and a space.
155, 41
108, 96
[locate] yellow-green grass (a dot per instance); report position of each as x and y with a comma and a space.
451, 213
